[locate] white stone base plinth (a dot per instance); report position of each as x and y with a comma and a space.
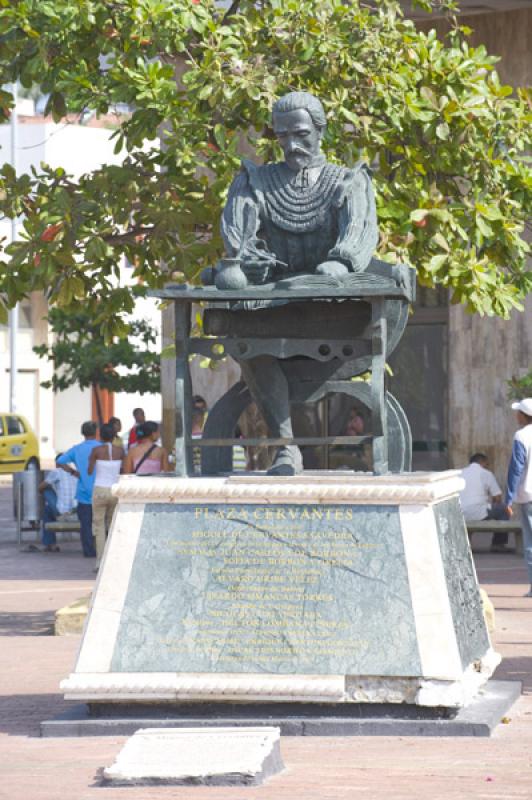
422, 575
187, 688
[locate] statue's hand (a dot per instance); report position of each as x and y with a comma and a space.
333, 269
257, 270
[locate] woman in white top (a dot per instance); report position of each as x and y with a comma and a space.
106, 462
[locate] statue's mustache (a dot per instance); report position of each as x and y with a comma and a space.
297, 151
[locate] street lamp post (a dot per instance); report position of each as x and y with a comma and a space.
13, 314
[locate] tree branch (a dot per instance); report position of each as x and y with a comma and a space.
119, 238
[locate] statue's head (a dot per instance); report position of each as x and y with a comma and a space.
298, 123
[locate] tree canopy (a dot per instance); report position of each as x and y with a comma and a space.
81, 356
445, 139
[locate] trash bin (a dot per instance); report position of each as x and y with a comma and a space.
26, 499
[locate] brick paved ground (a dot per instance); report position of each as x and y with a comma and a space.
32, 662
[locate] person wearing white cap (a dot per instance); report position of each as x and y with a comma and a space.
519, 484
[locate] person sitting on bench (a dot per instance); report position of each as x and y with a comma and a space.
59, 495
481, 498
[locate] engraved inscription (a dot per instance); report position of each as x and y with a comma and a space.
265, 570
262, 588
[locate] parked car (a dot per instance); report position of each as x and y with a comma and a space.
19, 448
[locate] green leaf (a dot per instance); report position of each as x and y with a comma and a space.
349, 115
484, 227
428, 95
419, 214
436, 262
441, 241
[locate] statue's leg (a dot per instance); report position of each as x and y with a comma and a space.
269, 388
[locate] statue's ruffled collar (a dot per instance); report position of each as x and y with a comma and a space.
295, 204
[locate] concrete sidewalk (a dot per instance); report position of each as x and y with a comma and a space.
32, 662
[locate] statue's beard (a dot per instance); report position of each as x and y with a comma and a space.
299, 159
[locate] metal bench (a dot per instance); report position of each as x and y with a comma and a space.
63, 526
497, 526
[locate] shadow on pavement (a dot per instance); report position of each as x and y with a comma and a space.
27, 623
22, 714
516, 668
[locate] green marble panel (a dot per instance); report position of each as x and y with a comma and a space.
462, 585
268, 588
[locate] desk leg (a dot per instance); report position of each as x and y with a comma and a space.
182, 389
378, 405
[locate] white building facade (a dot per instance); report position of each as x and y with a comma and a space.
57, 418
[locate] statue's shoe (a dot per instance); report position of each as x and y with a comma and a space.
288, 461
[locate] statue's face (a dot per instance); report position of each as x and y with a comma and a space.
298, 136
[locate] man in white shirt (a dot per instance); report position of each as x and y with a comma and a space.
519, 485
481, 498
59, 495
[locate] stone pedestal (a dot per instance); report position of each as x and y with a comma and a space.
331, 588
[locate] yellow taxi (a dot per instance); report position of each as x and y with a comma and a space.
19, 448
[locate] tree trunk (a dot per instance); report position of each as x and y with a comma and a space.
96, 390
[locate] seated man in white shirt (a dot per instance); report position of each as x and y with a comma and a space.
481, 498
59, 494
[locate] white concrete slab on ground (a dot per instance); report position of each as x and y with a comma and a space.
214, 756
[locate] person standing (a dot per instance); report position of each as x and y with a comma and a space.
519, 485
117, 427
481, 498
79, 456
59, 495
147, 457
105, 462
140, 418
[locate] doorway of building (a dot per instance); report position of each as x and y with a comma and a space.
419, 380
